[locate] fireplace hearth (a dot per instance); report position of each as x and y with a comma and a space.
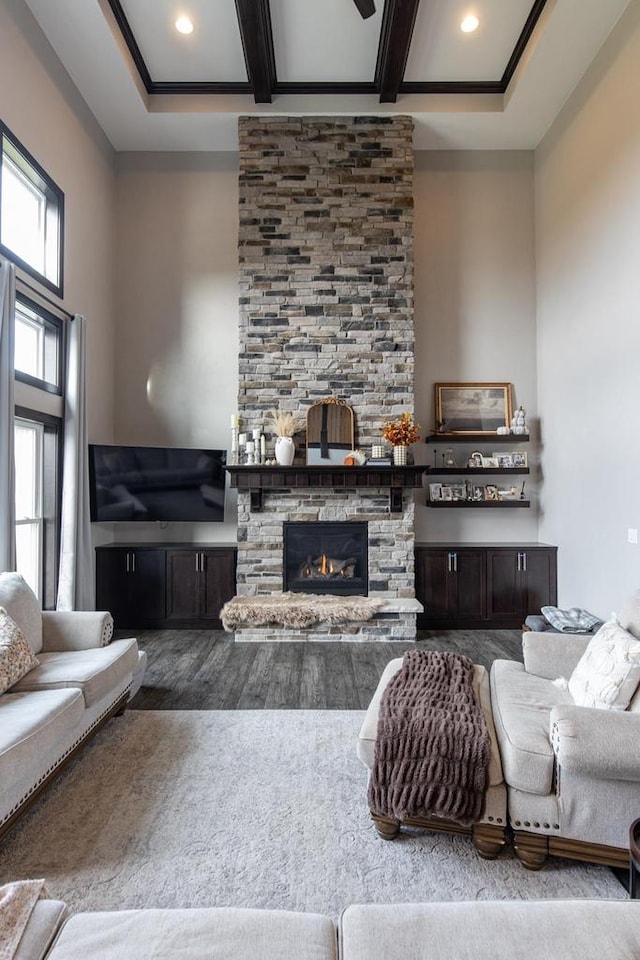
322, 557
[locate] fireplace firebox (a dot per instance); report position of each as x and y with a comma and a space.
324, 557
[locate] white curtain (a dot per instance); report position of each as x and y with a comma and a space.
76, 584
7, 413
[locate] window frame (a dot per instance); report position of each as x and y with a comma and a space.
51, 499
58, 326
53, 194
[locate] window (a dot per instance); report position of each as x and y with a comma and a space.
31, 214
37, 440
38, 346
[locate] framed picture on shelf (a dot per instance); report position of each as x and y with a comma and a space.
504, 459
472, 407
491, 492
477, 492
475, 459
490, 462
447, 492
435, 491
519, 459
458, 491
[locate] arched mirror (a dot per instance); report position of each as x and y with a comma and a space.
330, 432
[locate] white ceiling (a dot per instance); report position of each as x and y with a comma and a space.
322, 41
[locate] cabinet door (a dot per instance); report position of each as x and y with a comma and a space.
469, 575
539, 580
504, 585
147, 585
112, 583
219, 581
434, 586
183, 584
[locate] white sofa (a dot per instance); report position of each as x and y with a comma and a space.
82, 679
482, 930
572, 772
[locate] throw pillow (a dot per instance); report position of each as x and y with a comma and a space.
608, 672
16, 656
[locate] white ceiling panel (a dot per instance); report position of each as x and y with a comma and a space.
213, 52
324, 40
441, 51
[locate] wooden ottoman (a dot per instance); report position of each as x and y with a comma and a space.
489, 833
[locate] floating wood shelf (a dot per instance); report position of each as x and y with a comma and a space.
477, 438
478, 504
452, 471
255, 479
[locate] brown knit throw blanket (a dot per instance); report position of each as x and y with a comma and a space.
432, 749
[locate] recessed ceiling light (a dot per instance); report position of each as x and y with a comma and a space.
469, 24
184, 25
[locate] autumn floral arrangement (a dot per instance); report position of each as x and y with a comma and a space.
401, 432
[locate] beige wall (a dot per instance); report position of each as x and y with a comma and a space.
177, 310
588, 256
475, 309
43, 109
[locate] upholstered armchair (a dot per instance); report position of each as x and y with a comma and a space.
572, 771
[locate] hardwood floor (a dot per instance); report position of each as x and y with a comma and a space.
207, 670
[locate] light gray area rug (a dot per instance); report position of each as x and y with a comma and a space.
248, 808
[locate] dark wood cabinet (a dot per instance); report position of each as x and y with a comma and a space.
165, 585
199, 583
483, 585
519, 582
451, 583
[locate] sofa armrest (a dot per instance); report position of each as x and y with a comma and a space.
596, 743
552, 655
75, 630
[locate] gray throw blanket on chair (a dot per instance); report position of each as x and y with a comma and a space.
432, 749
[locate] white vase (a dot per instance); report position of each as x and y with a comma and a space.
285, 451
400, 457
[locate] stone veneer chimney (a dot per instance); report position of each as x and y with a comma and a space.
326, 310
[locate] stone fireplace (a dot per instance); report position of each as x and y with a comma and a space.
326, 310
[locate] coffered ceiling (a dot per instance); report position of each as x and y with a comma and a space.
153, 88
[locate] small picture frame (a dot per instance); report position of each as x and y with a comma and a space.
477, 492
458, 491
447, 492
505, 460
475, 459
490, 463
519, 459
435, 491
491, 492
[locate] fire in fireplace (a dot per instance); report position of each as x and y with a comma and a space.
326, 558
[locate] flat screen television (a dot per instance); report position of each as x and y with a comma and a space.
156, 483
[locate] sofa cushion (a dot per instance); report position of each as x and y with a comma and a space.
521, 704
493, 930
95, 672
35, 729
16, 656
607, 674
45, 920
629, 617
21, 603
231, 933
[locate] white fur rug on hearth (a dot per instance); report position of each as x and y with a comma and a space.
296, 610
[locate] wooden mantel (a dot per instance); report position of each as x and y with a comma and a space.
257, 478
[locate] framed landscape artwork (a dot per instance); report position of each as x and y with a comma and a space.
472, 407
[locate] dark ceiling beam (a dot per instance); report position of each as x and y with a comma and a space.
398, 20
366, 8
523, 40
254, 19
